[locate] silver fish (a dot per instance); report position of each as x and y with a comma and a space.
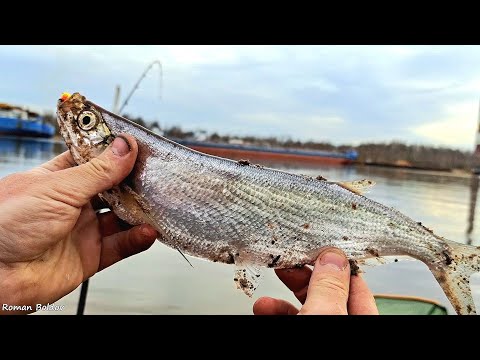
236, 213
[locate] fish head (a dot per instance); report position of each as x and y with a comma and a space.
82, 127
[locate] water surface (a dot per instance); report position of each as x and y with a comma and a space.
159, 281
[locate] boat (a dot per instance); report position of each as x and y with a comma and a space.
388, 304
264, 153
17, 121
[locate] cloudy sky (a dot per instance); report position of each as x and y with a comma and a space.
341, 94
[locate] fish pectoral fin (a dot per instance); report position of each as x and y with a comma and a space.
247, 277
358, 186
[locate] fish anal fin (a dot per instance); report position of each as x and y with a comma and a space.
247, 277
127, 205
358, 187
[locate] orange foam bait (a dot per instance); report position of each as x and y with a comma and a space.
65, 96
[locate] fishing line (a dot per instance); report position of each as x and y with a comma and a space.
83, 298
135, 87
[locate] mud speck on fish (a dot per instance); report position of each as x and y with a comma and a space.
448, 258
244, 162
274, 261
230, 259
243, 283
372, 252
306, 226
320, 178
354, 269
354, 206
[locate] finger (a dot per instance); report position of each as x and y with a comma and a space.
271, 306
81, 183
361, 300
296, 280
127, 243
111, 224
98, 203
329, 285
60, 162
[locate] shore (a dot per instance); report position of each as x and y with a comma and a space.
272, 159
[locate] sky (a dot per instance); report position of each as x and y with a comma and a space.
339, 94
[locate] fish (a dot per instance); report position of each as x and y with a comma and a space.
256, 217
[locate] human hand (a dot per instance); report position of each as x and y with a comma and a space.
51, 239
327, 290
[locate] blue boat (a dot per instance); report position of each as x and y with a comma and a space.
17, 121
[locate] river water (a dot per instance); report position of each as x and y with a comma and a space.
160, 281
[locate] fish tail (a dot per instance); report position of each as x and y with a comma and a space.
459, 262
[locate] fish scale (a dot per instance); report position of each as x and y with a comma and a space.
232, 212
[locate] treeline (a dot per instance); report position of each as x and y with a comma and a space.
415, 155
384, 153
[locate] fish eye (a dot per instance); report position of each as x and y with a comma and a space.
87, 120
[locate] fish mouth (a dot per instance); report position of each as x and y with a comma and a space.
67, 110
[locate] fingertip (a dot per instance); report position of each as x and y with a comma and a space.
260, 305
334, 258
130, 143
148, 232
329, 285
295, 279
361, 300
120, 146
122, 151
270, 306
142, 238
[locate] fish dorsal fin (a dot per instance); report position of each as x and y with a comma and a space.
358, 186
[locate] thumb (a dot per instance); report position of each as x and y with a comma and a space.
80, 183
329, 285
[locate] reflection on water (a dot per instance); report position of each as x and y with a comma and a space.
22, 154
159, 281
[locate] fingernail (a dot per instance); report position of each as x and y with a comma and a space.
334, 259
120, 146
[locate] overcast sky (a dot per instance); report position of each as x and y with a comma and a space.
341, 94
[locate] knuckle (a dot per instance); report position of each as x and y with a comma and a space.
332, 286
18, 183
100, 168
330, 309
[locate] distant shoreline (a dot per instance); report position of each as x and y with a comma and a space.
458, 173
453, 172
